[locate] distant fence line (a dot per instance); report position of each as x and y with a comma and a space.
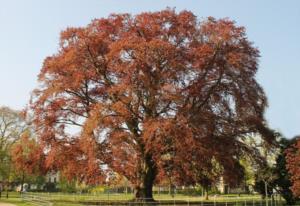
36, 199
47, 199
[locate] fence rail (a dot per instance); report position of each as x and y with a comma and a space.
47, 199
36, 199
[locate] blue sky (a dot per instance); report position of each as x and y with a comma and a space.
30, 31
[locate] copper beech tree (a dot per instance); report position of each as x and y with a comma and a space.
293, 166
153, 96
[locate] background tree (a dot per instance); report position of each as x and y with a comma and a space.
12, 124
275, 175
265, 172
265, 178
249, 174
150, 91
283, 181
27, 157
293, 167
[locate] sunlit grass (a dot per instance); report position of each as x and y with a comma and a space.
15, 200
64, 199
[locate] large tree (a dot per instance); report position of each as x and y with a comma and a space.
153, 95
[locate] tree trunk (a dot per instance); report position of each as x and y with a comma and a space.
206, 193
266, 192
22, 182
7, 190
144, 192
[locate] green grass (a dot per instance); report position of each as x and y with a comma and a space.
60, 199
126, 197
16, 201
14, 198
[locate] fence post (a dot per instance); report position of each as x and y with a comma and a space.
214, 200
280, 199
260, 201
173, 200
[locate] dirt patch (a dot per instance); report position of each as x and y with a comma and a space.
6, 204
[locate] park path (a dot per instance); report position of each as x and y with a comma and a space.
6, 204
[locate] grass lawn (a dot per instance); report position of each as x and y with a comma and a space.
129, 196
60, 199
13, 198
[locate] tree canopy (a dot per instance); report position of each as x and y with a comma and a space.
150, 96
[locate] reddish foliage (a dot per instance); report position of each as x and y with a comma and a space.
27, 156
154, 95
293, 166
